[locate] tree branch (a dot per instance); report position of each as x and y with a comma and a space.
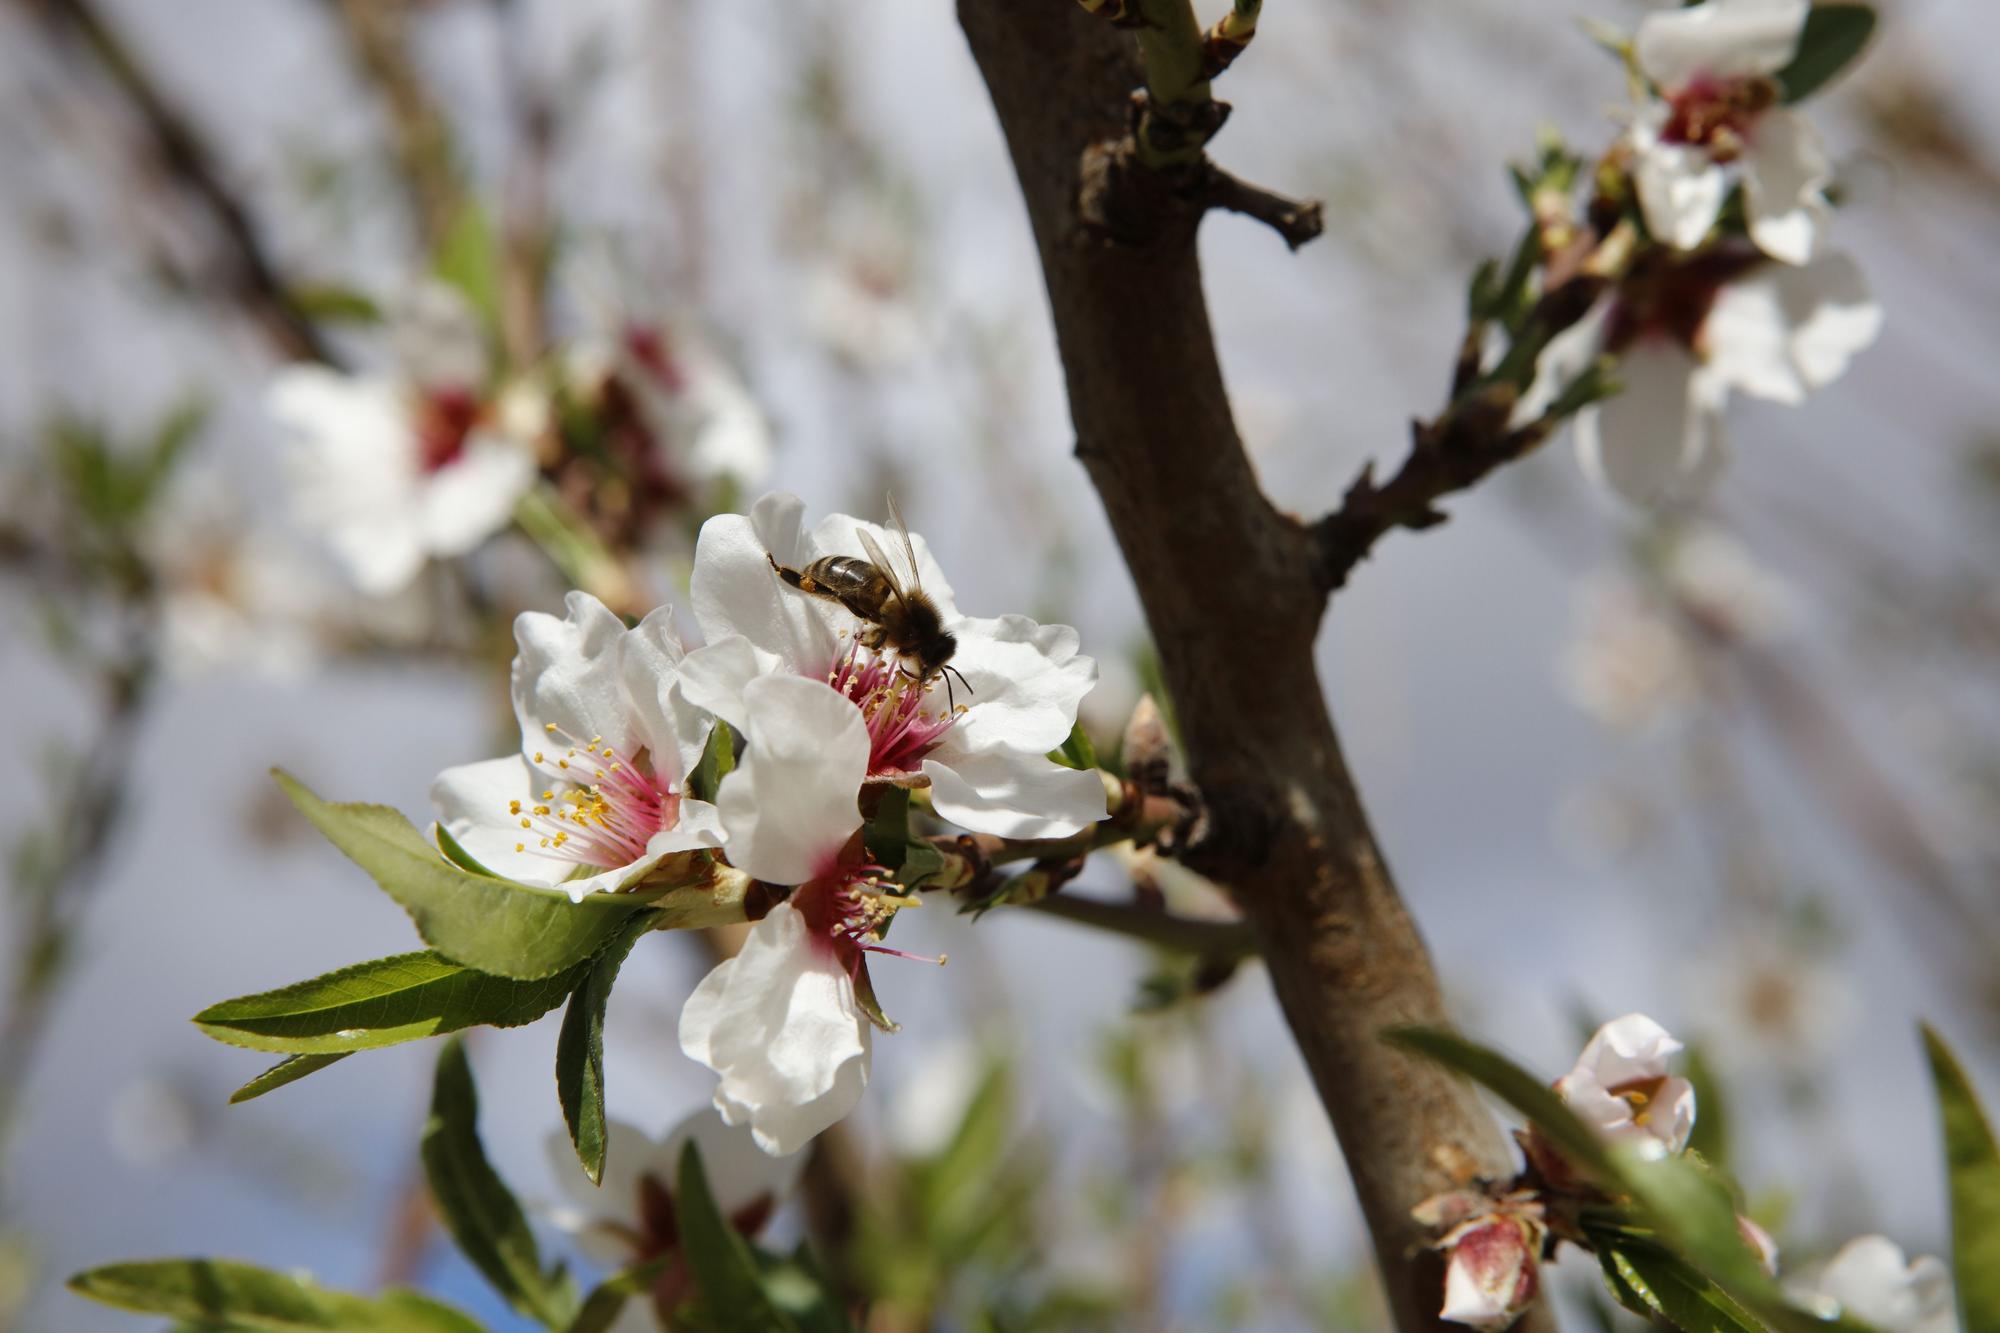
378, 34
1230, 592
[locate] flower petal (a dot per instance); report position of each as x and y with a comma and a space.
1723, 39
739, 1172
649, 666
473, 496
712, 677
1014, 794
1785, 170
1027, 681
780, 1023
791, 802
735, 591
1650, 442
1746, 339
1564, 358
597, 1214
567, 674
353, 470
1833, 316
1681, 191
473, 802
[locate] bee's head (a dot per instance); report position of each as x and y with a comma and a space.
937, 650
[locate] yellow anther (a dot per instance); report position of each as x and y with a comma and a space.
538, 756
520, 846
550, 728
513, 807
526, 823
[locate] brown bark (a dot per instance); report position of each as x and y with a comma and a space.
1229, 588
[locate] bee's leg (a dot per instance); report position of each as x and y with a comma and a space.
871, 636
802, 582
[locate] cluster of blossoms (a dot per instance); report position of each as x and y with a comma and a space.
1622, 1087
1736, 291
613, 721
429, 459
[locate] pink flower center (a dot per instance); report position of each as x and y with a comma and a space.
607, 815
1718, 115
1667, 298
900, 731
846, 910
445, 417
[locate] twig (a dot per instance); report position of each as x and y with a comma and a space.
378, 32
177, 149
1297, 220
1220, 941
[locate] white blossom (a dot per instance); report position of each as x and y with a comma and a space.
1620, 1087
595, 798
394, 469
787, 1021
1717, 120
1492, 1249
1628, 666
986, 761
1870, 1281
1685, 336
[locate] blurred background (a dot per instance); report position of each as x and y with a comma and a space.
1739, 769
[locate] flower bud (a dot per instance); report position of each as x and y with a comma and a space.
1492, 1270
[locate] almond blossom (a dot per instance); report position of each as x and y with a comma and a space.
1870, 1281
595, 798
1717, 120
786, 1022
394, 469
1621, 1088
985, 759
1493, 1250
630, 1217
1686, 333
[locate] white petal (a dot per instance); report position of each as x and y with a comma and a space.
733, 438
649, 663
739, 1172
1833, 316
735, 591
712, 678
791, 802
1785, 170
1723, 39
569, 673
1565, 357
1027, 681
473, 802
699, 825
1014, 794
473, 496
780, 1023
1628, 1048
1649, 442
352, 464
1874, 1285
1681, 190
589, 1212
1747, 339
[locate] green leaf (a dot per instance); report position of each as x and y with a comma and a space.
326, 303
718, 757
607, 1300
580, 1048
288, 1070
1832, 37
1076, 750
1972, 1168
732, 1298
1710, 1138
468, 258
1514, 1085
1667, 1287
382, 1003
241, 1296
492, 925
891, 844
455, 853
476, 1205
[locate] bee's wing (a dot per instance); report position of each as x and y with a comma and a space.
875, 553
902, 530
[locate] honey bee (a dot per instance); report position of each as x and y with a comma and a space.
897, 615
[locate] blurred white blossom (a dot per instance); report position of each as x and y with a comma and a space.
1870, 1281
